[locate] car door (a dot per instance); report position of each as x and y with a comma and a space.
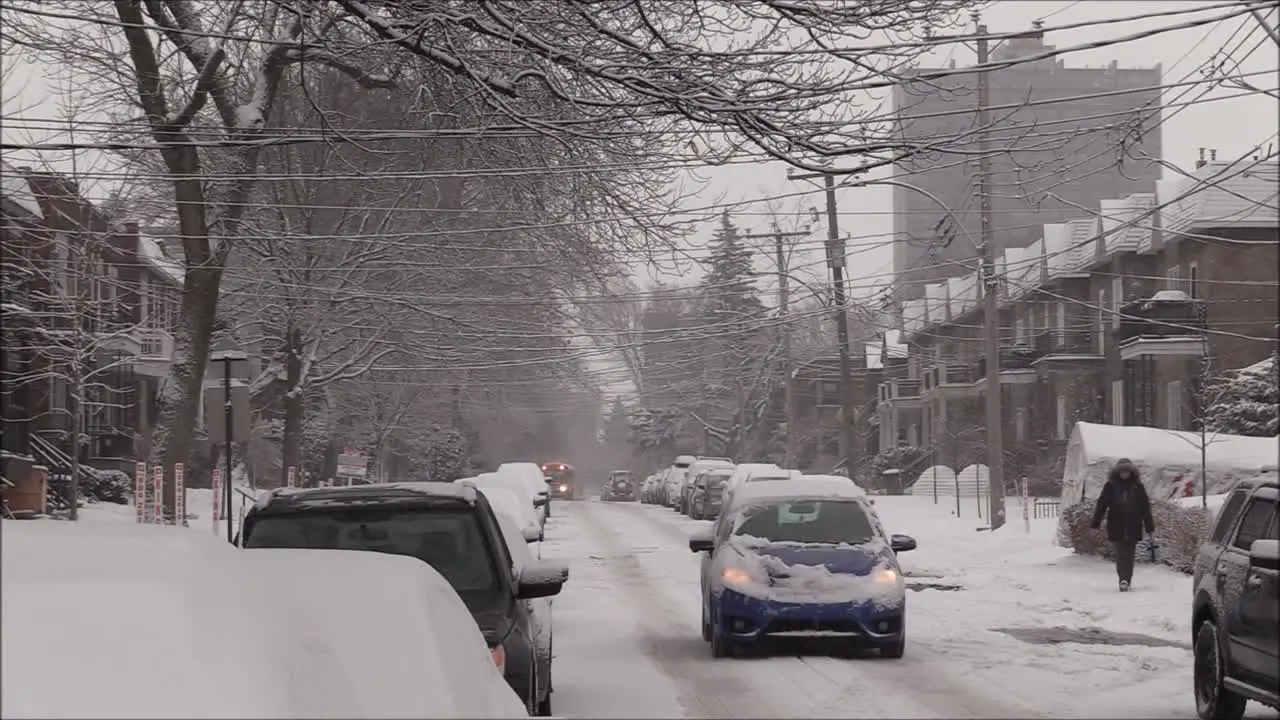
1243, 596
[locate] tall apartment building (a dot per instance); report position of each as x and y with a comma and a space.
1048, 160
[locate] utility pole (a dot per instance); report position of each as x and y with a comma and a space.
784, 322
850, 446
991, 295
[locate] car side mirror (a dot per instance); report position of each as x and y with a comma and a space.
902, 543
539, 501
541, 579
702, 542
1265, 554
532, 534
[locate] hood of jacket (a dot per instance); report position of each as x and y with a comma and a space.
1120, 466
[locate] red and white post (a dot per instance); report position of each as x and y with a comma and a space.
157, 489
140, 490
291, 476
216, 481
179, 495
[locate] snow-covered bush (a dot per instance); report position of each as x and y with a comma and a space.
111, 486
909, 460
1246, 401
1179, 532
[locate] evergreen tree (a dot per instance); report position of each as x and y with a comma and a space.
617, 428
730, 300
1246, 402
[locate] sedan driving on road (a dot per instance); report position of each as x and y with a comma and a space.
802, 558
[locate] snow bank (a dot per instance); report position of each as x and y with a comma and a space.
1166, 459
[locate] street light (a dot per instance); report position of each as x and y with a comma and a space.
233, 359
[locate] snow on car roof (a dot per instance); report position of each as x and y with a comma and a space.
797, 488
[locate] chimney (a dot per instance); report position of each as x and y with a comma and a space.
1038, 26
1213, 155
1200, 162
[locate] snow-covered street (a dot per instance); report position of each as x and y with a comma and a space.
627, 639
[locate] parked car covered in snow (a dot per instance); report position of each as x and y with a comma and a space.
708, 492
516, 484
510, 504
450, 527
532, 476
697, 467
1235, 611
802, 558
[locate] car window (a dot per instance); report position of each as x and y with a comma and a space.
1227, 515
1254, 525
449, 540
819, 521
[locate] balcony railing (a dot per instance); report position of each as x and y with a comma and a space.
1068, 342
1017, 357
1161, 317
900, 389
949, 375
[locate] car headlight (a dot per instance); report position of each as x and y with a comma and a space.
735, 576
885, 576
564, 488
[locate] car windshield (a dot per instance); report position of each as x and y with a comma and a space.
819, 521
450, 540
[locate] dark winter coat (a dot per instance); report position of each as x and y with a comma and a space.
1125, 504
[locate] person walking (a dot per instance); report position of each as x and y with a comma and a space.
1127, 509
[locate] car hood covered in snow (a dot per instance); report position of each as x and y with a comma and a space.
819, 573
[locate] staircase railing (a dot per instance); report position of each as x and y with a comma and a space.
59, 464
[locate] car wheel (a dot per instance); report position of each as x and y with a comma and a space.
721, 645
706, 624
895, 650
1213, 701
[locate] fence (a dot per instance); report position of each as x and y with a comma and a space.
1044, 508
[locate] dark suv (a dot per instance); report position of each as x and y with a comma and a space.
452, 528
1235, 612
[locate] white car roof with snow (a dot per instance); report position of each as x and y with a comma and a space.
799, 489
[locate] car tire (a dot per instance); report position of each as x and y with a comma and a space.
894, 651
1213, 701
721, 644
706, 624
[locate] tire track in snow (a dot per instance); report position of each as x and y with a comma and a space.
925, 679
706, 690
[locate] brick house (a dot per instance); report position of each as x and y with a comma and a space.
73, 265
815, 388
1112, 319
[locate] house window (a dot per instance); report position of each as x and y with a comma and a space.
1173, 405
1062, 417
828, 393
1101, 322
1117, 402
1020, 424
1173, 278
1193, 280
1019, 330
1060, 323
913, 435
1117, 299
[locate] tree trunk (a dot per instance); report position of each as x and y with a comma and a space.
178, 421
74, 402
294, 411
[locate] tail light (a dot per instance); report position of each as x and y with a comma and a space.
499, 657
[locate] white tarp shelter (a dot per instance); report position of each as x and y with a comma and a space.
1166, 459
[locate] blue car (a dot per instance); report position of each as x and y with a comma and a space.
802, 565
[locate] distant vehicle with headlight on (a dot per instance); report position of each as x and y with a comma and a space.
802, 558
560, 480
